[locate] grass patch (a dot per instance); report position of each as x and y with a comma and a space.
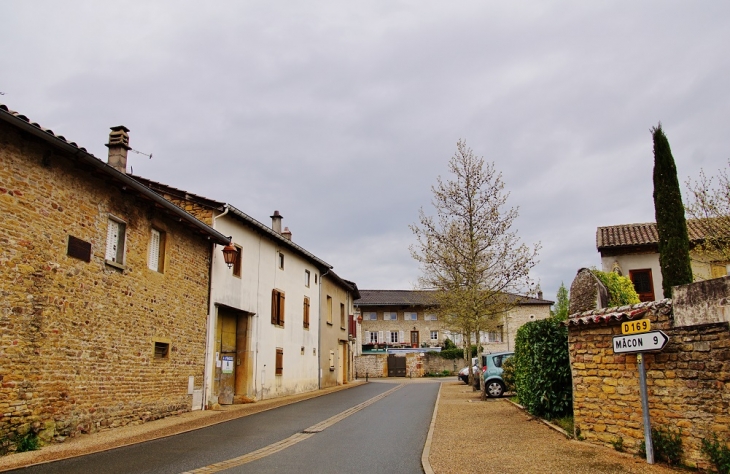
565, 422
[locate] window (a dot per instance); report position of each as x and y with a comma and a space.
643, 284
434, 335
390, 316
279, 361
281, 260
430, 317
156, 256
237, 265
394, 336
306, 312
306, 278
277, 308
342, 316
495, 336
162, 350
315, 278
370, 316
329, 310
332, 360
410, 316
115, 235
373, 337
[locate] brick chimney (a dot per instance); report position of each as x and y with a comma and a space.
286, 234
118, 146
539, 294
276, 222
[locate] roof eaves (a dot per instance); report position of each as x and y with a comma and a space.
47, 135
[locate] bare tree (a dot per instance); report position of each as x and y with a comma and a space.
710, 204
469, 255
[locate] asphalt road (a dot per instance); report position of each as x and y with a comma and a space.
387, 435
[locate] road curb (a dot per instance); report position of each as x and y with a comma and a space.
551, 425
427, 469
149, 431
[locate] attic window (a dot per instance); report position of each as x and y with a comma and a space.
162, 350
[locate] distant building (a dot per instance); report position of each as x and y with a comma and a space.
408, 318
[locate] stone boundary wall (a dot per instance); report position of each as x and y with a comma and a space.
436, 364
417, 365
688, 383
372, 365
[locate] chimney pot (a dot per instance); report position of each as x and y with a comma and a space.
118, 146
286, 234
276, 222
539, 295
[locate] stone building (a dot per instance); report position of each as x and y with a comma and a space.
104, 289
688, 382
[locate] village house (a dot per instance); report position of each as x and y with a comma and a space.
267, 337
337, 330
104, 289
408, 319
632, 250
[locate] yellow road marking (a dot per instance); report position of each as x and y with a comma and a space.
291, 440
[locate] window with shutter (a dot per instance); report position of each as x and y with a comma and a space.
306, 312
237, 264
277, 307
401, 336
279, 361
156, 257
342, 316
329, 310
115, 241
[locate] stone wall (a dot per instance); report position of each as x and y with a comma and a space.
371, 365
688, 382
77, 338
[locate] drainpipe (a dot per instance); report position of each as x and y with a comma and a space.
209, 319
319, 331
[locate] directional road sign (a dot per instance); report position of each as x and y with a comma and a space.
648, 341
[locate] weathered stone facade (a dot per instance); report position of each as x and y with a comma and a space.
77, 338
688, 382
371, 365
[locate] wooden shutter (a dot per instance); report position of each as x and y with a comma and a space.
153, 258
112, 239
279, 361
401, 336
274, 306
306, 312
387, 337
281, 308
380, 337
367, 337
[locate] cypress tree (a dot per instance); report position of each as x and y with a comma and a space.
670, 222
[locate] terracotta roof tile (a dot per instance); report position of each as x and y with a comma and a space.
619, 313
644, 234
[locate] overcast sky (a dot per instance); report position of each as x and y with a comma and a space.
341, 115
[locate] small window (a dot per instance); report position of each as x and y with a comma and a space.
370, 316
643, 284
390, 316
279, 361
430, 317
332, 360
306, 313
342, 316
239, 259
281, 260
277, 308
410, 316
434, 335
394, 337
156, 255
329, 310
495, 336
162, 350
115, 236
373, 337
307, 275
315, 278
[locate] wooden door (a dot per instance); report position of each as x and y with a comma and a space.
227, 349
415, 341
396, 366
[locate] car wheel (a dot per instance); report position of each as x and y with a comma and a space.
495, 389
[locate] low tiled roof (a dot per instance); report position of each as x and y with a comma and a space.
417, 298
644, 234
619, 313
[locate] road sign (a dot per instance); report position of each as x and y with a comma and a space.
648, 341
635, 327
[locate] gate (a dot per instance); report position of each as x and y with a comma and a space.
396, 366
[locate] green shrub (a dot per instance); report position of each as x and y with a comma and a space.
718, 452
618, 444
508, 374
457, 352
448, 344
542, 369
667, 445
620, 288
29, 442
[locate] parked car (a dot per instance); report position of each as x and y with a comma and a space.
492, 372
464, 373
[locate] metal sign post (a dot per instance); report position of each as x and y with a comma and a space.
645, 409
638, 339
